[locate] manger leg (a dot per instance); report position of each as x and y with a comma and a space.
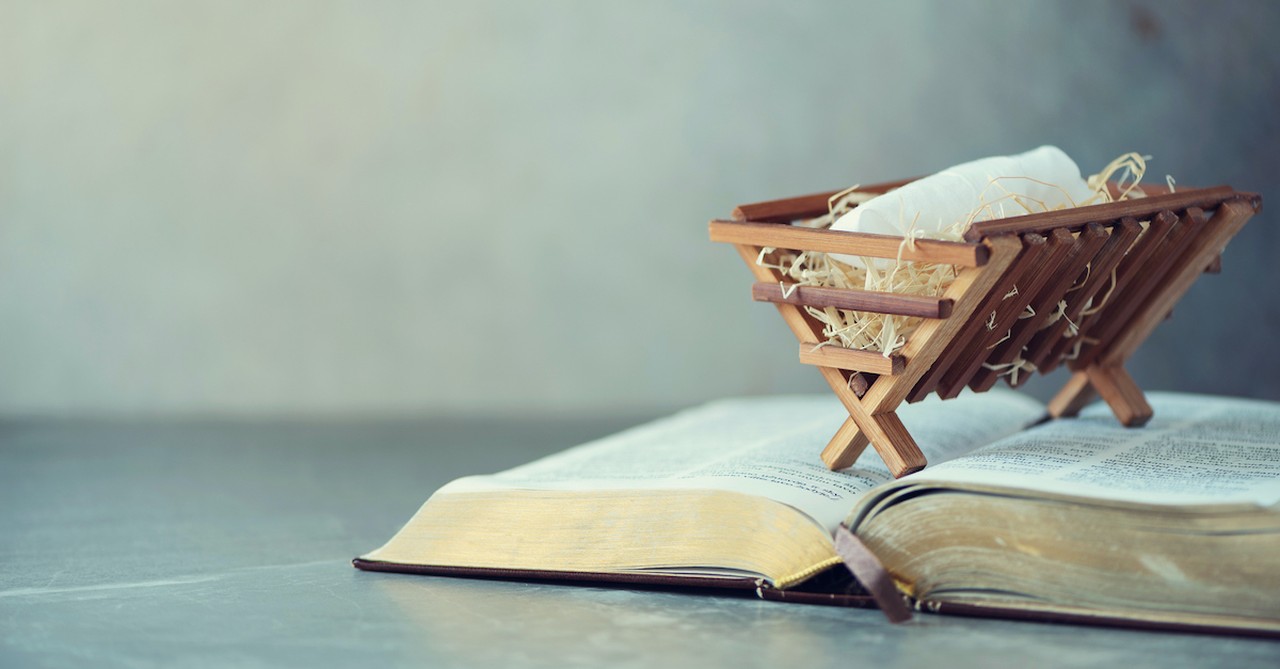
1073, 397
883, 429
1121, 393
894, 444
845, 447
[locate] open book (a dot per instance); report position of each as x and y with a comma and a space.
1175, 524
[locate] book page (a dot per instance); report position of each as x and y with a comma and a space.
767, 447
1196, 450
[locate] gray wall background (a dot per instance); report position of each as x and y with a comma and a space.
382, 207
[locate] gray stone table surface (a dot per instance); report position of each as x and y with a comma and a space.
229, 544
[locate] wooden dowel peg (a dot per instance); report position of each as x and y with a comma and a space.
830, 355
853, 300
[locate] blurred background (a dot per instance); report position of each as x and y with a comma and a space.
383, 208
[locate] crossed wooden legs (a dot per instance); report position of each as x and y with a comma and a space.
1149, 270
1102, 370
845, 446
900, 454
1115, 385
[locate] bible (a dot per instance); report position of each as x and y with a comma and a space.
1175, 525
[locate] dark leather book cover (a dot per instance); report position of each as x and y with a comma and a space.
831, 588
1099, 619
835, 587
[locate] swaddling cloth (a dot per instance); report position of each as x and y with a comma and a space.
943, 205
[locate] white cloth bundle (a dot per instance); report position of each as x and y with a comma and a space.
943, 205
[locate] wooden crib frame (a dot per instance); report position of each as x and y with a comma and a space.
1155, 247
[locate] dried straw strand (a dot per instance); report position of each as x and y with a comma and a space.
885, 333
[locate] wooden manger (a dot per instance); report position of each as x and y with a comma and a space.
1134, 258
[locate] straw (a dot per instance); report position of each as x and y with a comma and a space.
869, 331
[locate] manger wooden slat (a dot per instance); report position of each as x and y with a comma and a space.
829, 355
1224, 225
1130, 266
1010, 313
853, 300
802, 325
852, 243
974, 336
1045, 342
802, 207
1205, 198
1124, 305
1037, 260
1045, 304
932, 337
